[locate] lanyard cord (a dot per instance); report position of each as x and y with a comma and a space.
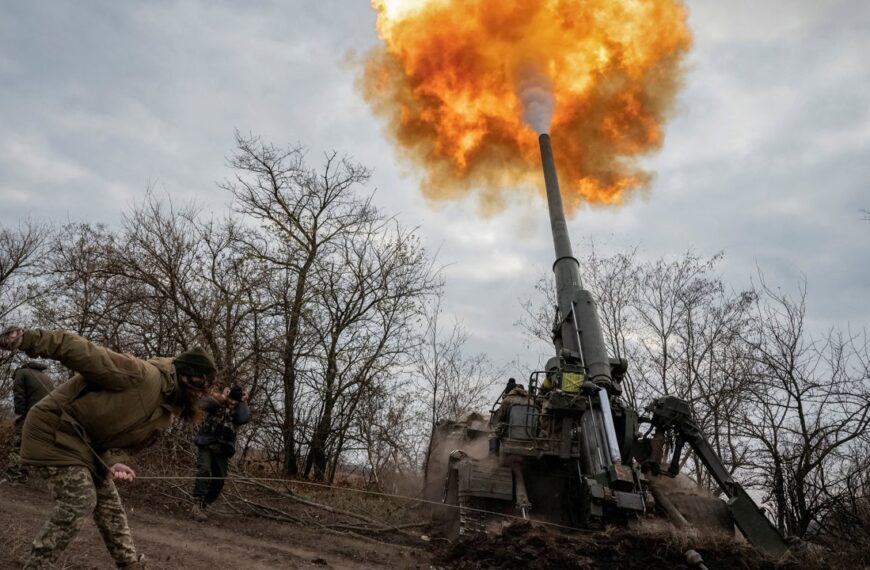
360, 491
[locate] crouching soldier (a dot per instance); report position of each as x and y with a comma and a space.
216, 441
29, 385
79, 434
516, 395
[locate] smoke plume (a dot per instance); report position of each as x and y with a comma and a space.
535, 94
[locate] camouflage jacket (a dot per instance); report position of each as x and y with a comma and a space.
517, 395
218, 431
114, 404
30, 385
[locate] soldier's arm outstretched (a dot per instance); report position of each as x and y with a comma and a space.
111, 370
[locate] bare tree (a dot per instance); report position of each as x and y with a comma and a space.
810, 401
160, 250
306, 217
451, 382
20, 252
536, 320
382, 426
86, 297
669, 292
845, 528
371, 293
166, 280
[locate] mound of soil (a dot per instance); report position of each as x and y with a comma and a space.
522, 545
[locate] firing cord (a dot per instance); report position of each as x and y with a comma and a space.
360, 491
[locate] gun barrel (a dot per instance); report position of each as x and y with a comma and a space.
561, 241
580, 330
566, 267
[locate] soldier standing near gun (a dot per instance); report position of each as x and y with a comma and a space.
217, 444
79, 434
29, 385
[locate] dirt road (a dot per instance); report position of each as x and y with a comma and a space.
173, 541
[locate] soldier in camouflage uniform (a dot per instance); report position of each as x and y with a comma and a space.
516, 395
78, 436
216, 441
29, 385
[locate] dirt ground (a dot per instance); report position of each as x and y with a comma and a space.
171, 540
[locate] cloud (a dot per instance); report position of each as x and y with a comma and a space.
766, 158
29, 158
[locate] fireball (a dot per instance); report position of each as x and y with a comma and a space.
464, 85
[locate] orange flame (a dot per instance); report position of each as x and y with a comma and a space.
447, 75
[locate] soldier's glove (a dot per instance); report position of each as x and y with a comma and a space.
11, 338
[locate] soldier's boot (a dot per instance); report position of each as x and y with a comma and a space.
138, 565
197, 511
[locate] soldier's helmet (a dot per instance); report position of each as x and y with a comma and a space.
195, 362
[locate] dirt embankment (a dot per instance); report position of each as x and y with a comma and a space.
522, 546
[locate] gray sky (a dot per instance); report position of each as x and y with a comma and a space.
768, 158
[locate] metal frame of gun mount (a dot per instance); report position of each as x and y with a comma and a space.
568, 449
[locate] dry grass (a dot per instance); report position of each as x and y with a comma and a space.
16, 542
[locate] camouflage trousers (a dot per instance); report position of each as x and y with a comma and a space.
76, 496
14, 468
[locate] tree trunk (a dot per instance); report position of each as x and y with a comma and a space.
317, 457
291, 465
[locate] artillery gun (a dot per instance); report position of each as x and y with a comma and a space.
568, 450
